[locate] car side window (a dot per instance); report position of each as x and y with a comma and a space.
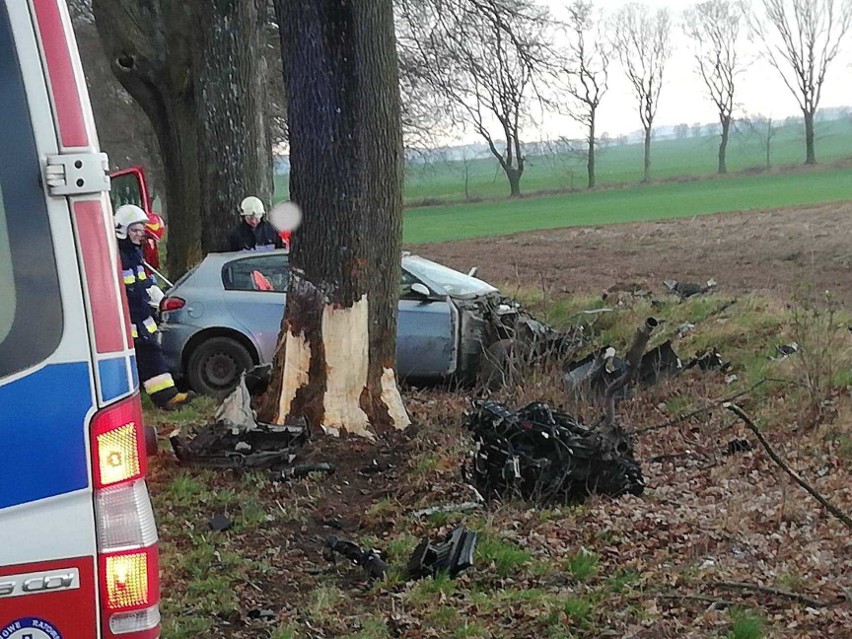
268, 273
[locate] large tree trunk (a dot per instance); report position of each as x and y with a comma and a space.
336, 359
810, 149
591, 163
514, 176
150, 52
723, 145
647, 174
232, 110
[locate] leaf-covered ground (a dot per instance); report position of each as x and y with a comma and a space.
670, 563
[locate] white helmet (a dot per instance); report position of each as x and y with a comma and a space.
125, 217
252, 207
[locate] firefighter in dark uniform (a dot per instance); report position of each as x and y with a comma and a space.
158, 383
252, 232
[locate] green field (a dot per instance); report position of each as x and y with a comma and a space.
636, 203
620, 197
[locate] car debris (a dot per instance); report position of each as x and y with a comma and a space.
370, 560
452, 555
685, 290
463, 507
237, 440
597, 371
546, 456
220, 523
303, 470
783, 351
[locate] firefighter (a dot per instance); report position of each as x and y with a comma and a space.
252, 232
157, 381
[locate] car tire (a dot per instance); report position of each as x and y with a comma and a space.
214, 367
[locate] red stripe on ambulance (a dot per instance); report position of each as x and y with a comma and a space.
101, 276
63, 82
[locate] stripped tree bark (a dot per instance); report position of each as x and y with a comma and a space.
643, 45
801, 38
337, 350
714, 27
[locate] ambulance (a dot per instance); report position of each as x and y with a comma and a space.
78, 540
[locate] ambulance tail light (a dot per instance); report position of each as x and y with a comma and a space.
128, 569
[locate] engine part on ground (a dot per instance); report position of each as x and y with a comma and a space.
545, 456
220, 523
783, 351
370, 560
453, 555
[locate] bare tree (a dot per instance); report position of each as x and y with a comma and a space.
801, 38
642, 41
760, 128
586, 60
335, 364
482, 58
714, 27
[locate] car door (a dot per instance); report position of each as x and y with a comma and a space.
426, 345
255, 294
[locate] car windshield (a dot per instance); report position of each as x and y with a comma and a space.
455, 283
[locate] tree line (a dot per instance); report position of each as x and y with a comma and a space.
497, 61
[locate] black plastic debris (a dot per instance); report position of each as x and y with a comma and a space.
303, 470
688, 289
738, 446
453, 555
220, 523
783, 351
370, 560
237, 440
264, 614
546, 456
220, 446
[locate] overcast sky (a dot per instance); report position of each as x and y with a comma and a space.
684, 98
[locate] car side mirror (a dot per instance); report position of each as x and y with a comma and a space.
421, 289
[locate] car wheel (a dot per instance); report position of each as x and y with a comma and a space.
215, 365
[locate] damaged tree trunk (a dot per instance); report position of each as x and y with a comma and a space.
337, 350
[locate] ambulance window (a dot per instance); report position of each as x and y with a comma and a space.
30, 303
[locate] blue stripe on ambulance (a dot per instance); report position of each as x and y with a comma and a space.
113, 376
41, 427
133, 372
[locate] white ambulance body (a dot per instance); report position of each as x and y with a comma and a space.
78, 542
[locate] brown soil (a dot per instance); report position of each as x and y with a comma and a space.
774, 251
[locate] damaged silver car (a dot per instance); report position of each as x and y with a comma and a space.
224, 316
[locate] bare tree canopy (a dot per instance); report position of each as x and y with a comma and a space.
583, 66
714, 27
643, 44
482, 58
801, 38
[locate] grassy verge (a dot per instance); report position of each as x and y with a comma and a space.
634, 566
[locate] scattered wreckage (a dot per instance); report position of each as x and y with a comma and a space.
546, 456
451, 556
